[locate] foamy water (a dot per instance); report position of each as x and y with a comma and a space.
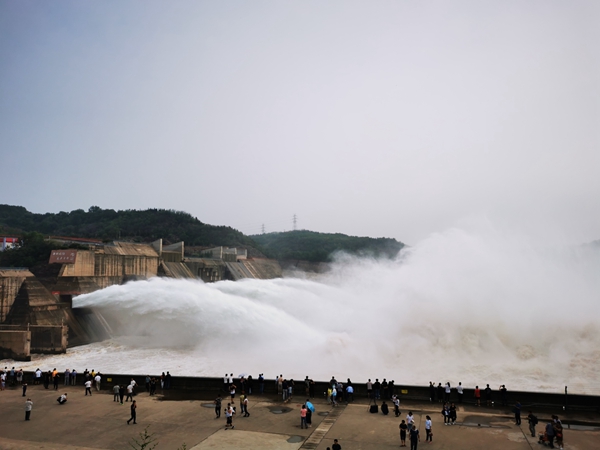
472, 307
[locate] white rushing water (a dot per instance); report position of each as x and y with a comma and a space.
472, 307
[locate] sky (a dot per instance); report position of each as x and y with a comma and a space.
375, 118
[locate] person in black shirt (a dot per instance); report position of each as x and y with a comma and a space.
384, 408
218, 401
403, 427
415, 438
488, 395
452, 413
384, 388
377, 389
133, 413
440, 393
504, 395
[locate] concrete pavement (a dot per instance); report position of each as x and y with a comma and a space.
97, 422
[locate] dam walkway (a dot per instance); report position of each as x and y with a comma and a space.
174, 419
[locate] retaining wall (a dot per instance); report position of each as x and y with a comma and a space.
210, 387
15, 344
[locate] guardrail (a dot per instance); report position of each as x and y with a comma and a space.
557, 402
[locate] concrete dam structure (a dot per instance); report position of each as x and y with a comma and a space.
36, 313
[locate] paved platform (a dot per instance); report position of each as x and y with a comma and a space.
97, 422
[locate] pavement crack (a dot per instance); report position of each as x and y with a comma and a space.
317, 436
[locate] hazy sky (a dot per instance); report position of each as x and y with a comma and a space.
377, 118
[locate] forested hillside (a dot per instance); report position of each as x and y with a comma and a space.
175, 226
319, 247
134, 225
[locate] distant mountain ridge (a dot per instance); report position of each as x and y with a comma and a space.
135, 225
319, 247
174, 226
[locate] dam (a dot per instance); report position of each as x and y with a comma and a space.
457, 307
36, 309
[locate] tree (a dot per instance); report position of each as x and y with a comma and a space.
147, 441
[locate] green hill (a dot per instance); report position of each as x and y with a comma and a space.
175, 226
134, 225
319, 247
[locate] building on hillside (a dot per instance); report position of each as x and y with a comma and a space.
8, 242
66, 240
226, 253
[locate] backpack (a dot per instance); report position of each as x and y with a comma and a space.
534, 419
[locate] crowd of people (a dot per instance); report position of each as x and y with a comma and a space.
91, 380
336, 392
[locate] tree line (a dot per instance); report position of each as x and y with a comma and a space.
172, 226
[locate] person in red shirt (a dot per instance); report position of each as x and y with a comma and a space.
477, 396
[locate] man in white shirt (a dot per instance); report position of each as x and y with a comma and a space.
245, 403
459, 389
28, 408
97, 379
410, 420
229, 412
38, 376
396, 402
88, 387
129, 393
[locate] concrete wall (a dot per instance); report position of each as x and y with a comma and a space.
265, 269
171, 256
15, 344
209, 270
104, 282
18, 342
9, 288
196, 387
140, 265
83, 267
49, 339
173, 252
124, 265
